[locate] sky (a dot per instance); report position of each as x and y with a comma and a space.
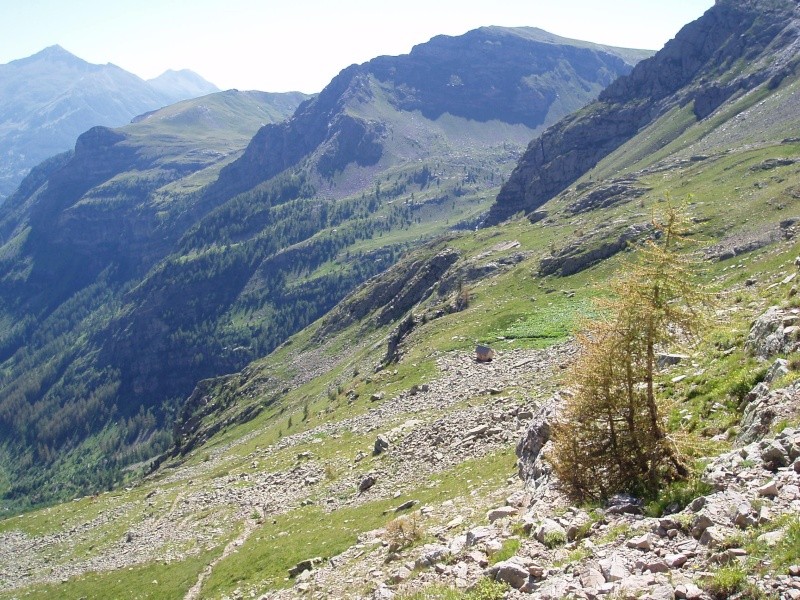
287, 45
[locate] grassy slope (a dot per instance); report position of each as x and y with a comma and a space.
729, 197
469, 160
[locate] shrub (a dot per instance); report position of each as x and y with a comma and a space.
403, 532
677, 496
486, 589
554, 539
729, 581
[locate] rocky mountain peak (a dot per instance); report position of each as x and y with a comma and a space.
53, 53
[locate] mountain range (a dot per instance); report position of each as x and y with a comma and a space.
47, 100
267, 353
159, 254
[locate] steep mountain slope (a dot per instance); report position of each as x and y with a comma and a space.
736, 48
75, 232
317, 449
125, 280
48, 99
371, 455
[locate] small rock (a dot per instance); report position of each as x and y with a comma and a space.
744, 516
475, 432
662, 591
624, 504
764, 516
461, 571
513, 571
668, 360
614, 569
713, 536
366, 483
479, 534
768, 489
778, 369
406, 505
431, 554
689, 591
501, 513
399, 575
592, 578
675, 561
790, 492
697, 504
794, 571
656, 566
457, 544
771, 538
773, 455
643, 542
549, 530
305, 565
518, 499
382, 592
700, 524
381, 444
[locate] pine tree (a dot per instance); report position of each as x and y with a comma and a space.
610, 436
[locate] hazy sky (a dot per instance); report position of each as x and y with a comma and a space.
300, 45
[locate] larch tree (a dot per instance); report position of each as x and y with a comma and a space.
610, 436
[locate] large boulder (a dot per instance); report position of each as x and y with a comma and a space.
765, 408
536, 436
774, 332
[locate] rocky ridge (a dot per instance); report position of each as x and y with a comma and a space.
491, 73
696, 67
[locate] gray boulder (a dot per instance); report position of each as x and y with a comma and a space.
366, 483
513, 571
533, 441
381, 444
768, 335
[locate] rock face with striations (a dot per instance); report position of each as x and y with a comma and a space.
696, 66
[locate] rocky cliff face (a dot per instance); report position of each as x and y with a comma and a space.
734, 47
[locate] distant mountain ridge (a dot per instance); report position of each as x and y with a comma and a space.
182, 85
520, 76
48, 99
